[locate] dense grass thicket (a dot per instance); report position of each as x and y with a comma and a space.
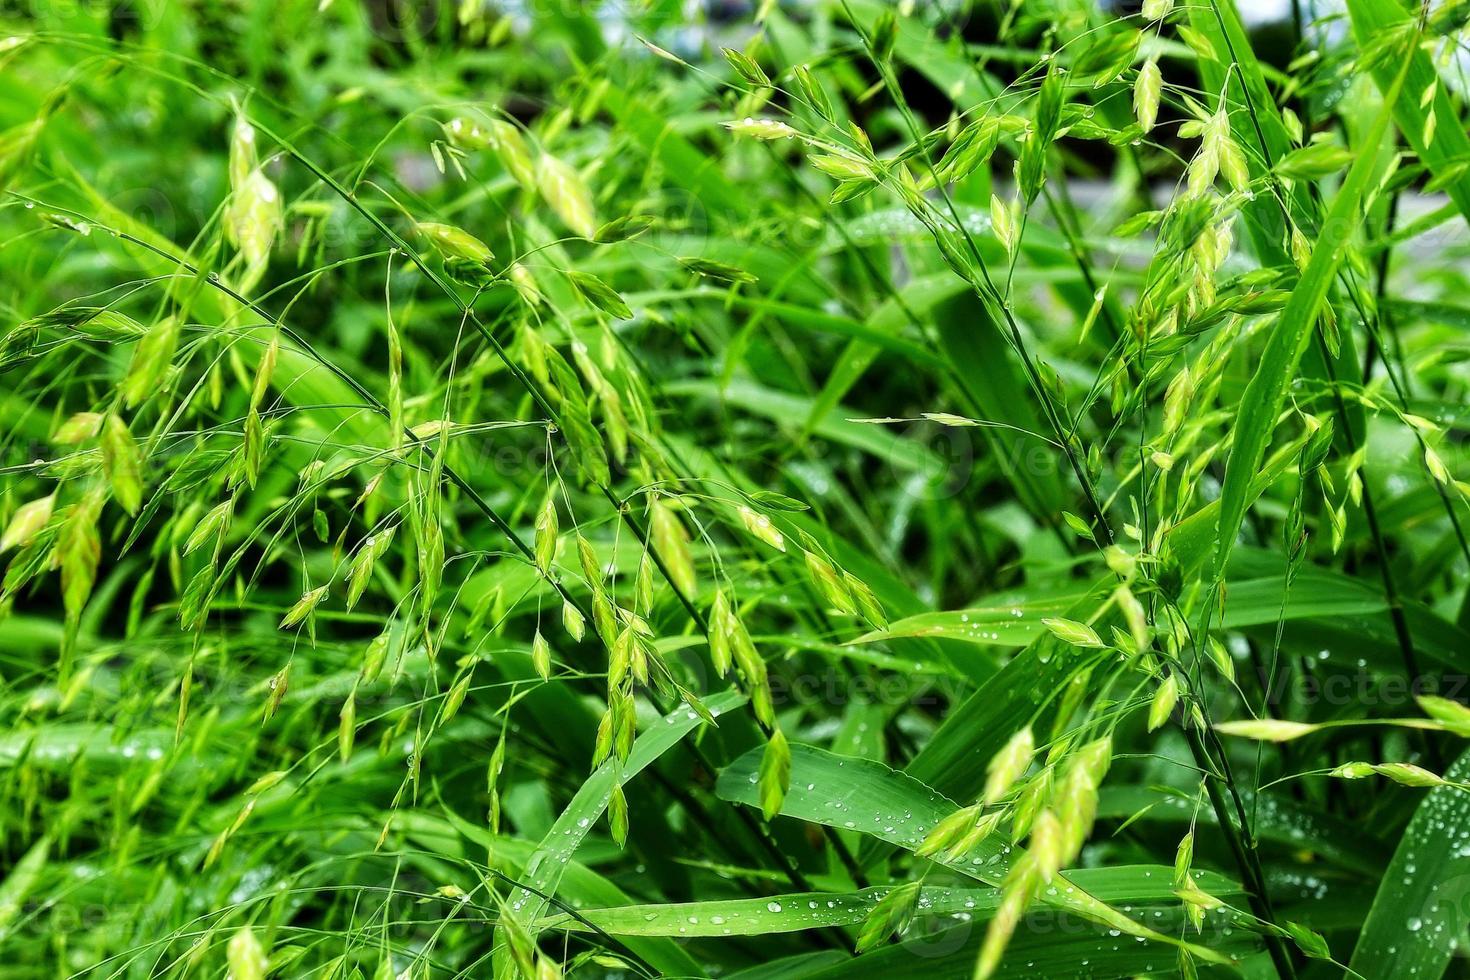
842, 488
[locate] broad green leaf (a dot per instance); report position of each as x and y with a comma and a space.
850, 794
1141, 885
1418, 918
994, 624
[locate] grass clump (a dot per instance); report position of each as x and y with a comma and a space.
851, 489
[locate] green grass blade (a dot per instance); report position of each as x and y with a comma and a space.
1447, 151
20, 881
1140, 885
1264, 397
544, 870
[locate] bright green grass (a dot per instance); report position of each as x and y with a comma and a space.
918, 490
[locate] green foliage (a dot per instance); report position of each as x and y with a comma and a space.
855, 488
